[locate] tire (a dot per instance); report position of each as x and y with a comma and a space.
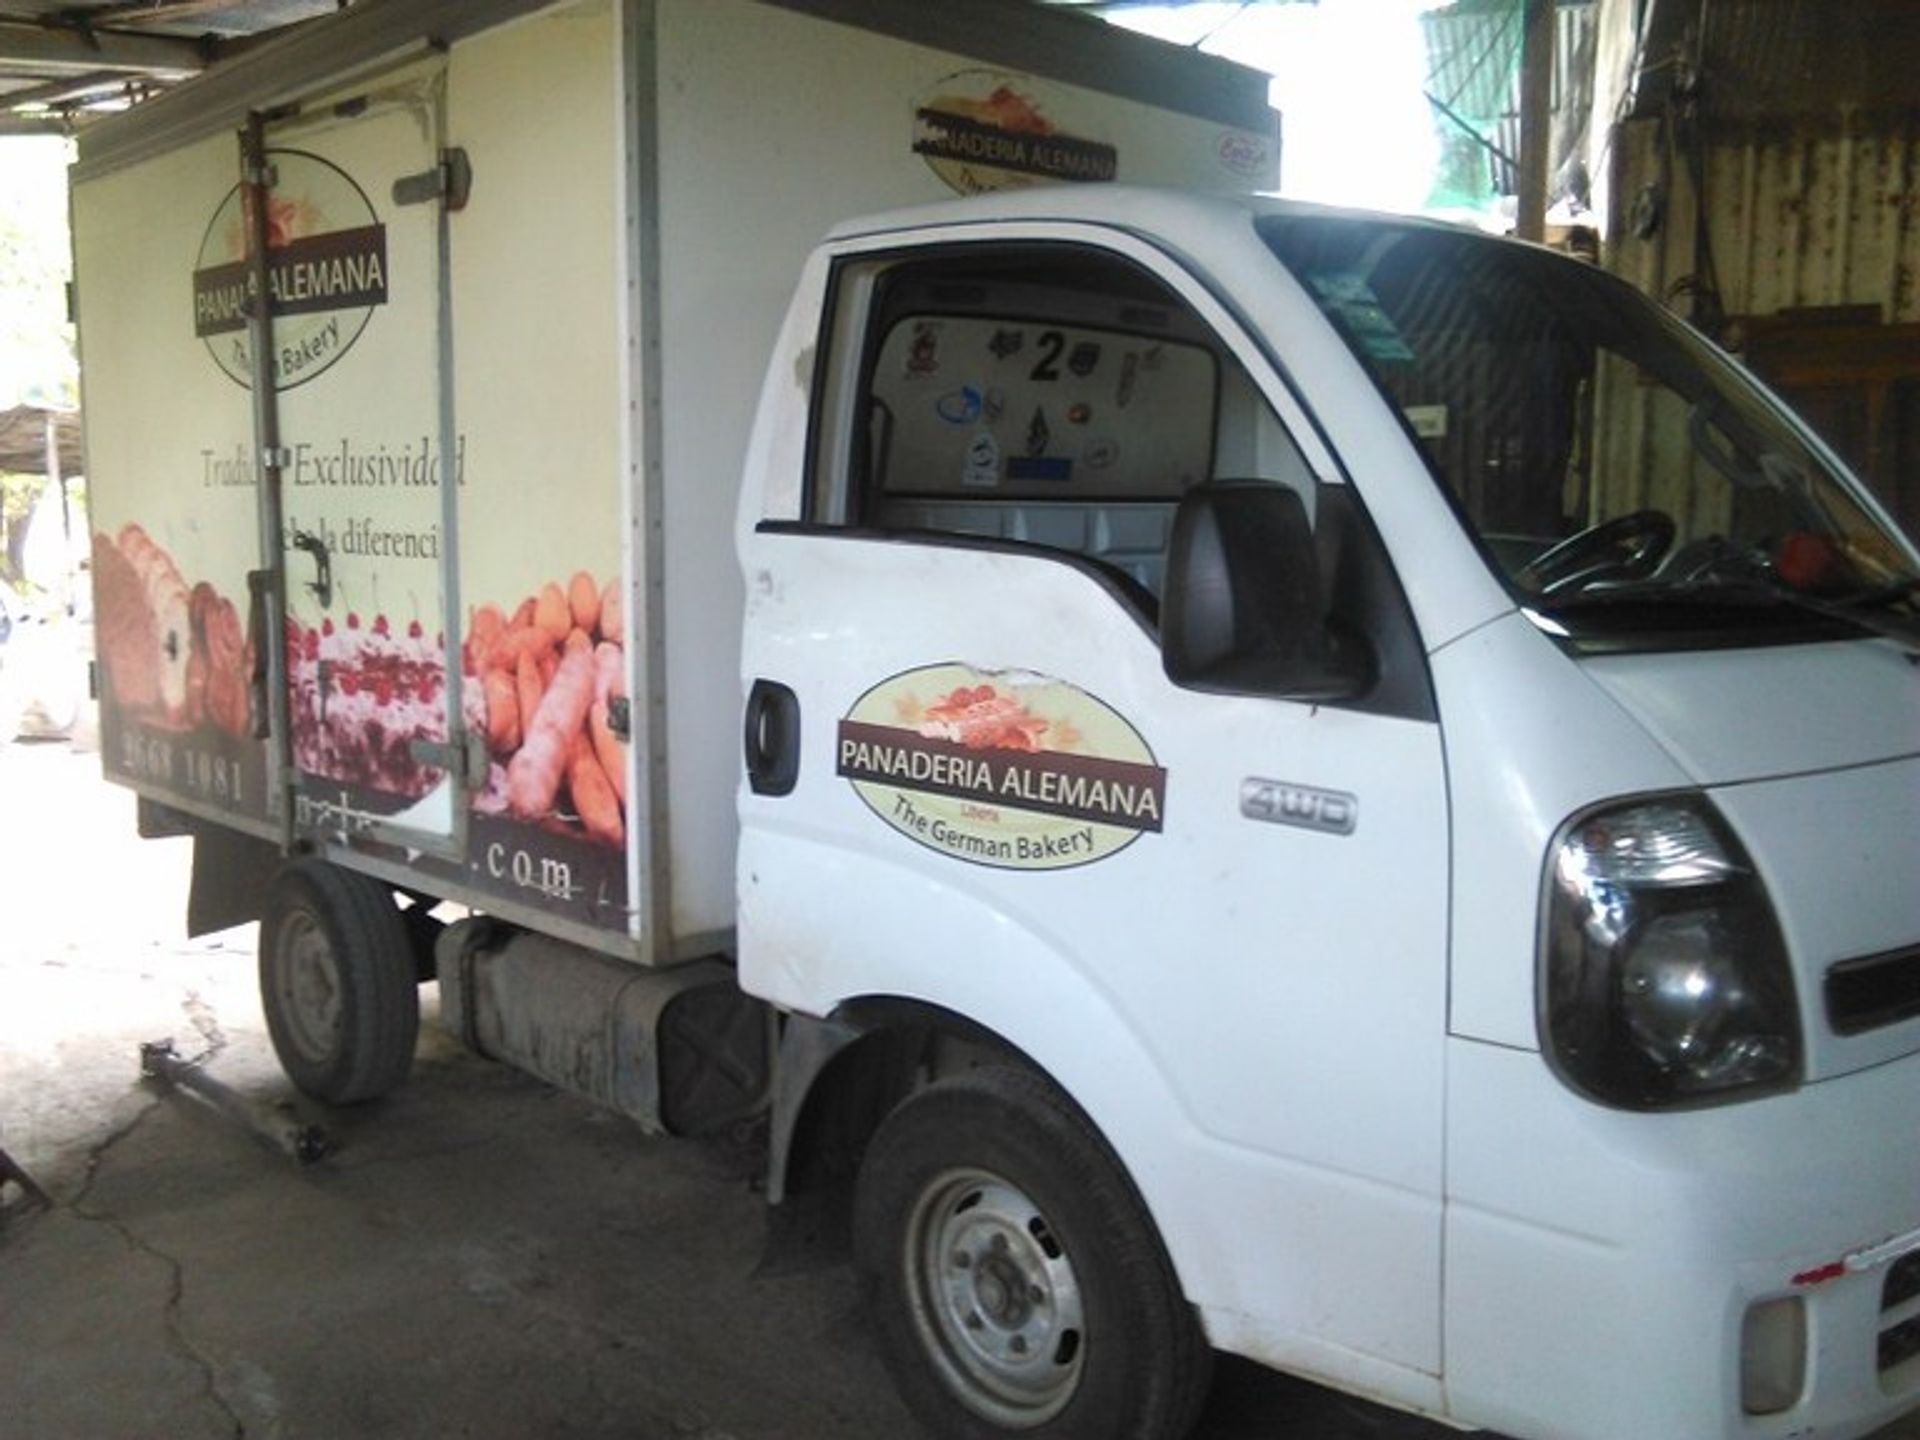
337, 983
1015, 1279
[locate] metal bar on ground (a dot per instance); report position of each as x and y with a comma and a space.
288, 1134
10, 1171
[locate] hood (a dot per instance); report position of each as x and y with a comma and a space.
1731, 716
1810, 752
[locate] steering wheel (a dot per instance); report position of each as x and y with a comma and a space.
1626, 547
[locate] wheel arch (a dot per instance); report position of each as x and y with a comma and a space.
1016, 1279
839, 1077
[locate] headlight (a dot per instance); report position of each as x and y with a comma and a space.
1664, 980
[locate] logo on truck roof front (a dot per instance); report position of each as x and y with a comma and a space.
981, 130
326, 271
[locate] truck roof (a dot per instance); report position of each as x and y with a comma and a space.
1047, 41
1127, 206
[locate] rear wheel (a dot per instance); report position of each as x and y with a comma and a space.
337, 983
1017, 1282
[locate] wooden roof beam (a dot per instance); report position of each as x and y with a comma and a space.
58, 50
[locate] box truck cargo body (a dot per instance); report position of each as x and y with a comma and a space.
577, 339
1238, 777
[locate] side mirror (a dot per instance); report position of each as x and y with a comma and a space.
1242, 610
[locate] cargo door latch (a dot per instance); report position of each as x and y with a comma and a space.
321, 586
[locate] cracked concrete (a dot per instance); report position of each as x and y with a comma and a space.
181, 1343
480, 1257
178, 1340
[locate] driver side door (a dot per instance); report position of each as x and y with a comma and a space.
1217, 919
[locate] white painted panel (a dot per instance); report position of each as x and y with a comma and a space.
1839, 853
1530, 740
1733, 715
773, 127
1599, 1262
170, 454
1227, 973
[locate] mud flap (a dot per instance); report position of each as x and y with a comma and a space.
231, 873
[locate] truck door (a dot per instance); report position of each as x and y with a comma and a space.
1218, 920
354, 231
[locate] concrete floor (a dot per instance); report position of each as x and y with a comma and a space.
481, 1256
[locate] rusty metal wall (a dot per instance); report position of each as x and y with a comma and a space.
1800, 215
1763, 182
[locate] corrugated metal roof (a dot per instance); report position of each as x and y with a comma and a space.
63, 59
60, 59
23, 439
1776, 58
1473, 80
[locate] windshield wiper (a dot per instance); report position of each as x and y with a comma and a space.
1866, 610
1879, 596
1870, 608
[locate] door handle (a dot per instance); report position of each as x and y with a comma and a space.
321, 585
772, 738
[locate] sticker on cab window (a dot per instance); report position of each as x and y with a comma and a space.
960, 407
1348, 298
1002, 768
981, 469
923, 355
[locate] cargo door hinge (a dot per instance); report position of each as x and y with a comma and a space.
451, 182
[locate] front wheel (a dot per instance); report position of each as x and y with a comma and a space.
1018, 1285
337, 983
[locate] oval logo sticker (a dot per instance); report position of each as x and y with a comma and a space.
1003, 768
984, 130
326, 271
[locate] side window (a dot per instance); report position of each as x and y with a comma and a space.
1046, 396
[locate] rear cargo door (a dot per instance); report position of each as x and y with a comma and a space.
356, 239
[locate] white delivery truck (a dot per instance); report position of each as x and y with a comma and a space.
1240, 778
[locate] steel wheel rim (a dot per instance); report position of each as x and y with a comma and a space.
995, 1299
307, 982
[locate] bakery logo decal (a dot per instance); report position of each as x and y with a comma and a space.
326, 271
1008, 769
981, 130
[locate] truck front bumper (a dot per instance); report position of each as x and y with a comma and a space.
1601, 1265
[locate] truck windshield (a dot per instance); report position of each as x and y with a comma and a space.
1629, 486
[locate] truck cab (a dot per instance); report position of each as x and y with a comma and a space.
1349, 775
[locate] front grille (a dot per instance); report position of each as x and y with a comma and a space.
1899, 1344
1903, 1282
1874, 990
1900, 1313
